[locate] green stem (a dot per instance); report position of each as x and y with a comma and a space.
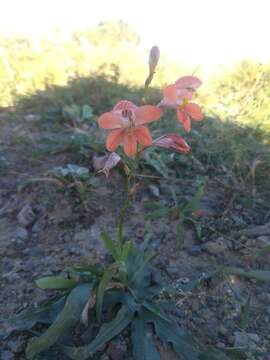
123, 211
130, 183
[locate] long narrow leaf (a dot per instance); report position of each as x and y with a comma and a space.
170, 332
192, 205
106, 333
213, 354
262, 275
143, 342
107, 276
245, 314
156, 310
111, 247
46, 313
55, 282
68, 317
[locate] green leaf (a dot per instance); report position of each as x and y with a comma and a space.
110, 245
153, 159
158, 213
92, 269
137, 268
69, 316
126, 248
180, 233
245, 314
192, 205
113, 297
87, 112
170, 332
55, 282
106, 277
156, 310
212, 353
262, 275
241, 353
106, 333
264, 251
143, 342
46, 313
151, 205
71, 169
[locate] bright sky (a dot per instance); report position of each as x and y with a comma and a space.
203, 32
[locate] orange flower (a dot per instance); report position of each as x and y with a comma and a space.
125, 122
177, 96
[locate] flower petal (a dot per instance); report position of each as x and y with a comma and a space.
184, 119
143, 136
111, 161
124, 105
194, 111
170, 94
130, 144
188, 82
110, 121
147, 113
114, 139
172, 142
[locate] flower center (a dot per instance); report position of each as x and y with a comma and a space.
128, 119
183, 104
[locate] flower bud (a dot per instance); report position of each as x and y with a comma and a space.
153, 59
106, 163
172, 142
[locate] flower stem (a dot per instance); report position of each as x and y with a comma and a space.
130, 184
124, 210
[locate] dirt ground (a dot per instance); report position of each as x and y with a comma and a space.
45, 227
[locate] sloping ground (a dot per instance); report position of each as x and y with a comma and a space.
47, 224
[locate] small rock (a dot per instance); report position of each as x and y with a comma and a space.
263, 241
257, 230
215, 247
31, 117
248, 340
222, 330
21, 233
117, 350
264, 297
154, 190
105, 357
16, 346
173, 270
38, 226
26, 216
195, 250
7, 355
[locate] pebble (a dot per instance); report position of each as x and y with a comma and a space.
117, 350
242, 339
16, 346
26, 216
154, 190
263, 241
194, 250
264, 297
7, 355
215, 247
21, 233
222, 330
105, 357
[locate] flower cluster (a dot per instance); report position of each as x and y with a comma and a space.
127, 122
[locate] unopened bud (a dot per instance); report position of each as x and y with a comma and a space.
153, 59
